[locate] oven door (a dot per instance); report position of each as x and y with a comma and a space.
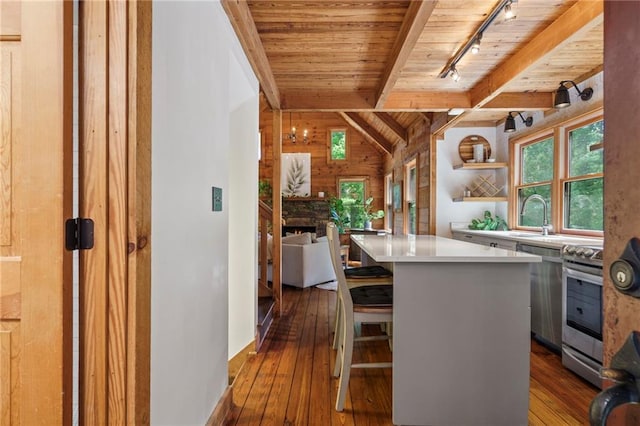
582, 312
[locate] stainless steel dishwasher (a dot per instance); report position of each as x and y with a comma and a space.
546, 294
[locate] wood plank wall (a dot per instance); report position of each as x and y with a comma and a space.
364, 158
417, 147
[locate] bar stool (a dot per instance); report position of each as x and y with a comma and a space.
365, 303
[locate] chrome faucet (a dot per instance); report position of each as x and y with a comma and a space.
545, 224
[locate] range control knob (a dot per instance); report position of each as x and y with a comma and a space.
570, 249
588, 252
579, 251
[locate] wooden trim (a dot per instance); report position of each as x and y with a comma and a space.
139, 214
276, 205
245, 28
115, 188
222, 411
433, 177
92, 57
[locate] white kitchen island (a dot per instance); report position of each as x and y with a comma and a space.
461, 330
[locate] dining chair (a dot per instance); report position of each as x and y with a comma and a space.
361, 304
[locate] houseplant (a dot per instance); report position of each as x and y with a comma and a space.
370, 214
339, 214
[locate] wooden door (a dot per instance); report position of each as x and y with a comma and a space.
35, 200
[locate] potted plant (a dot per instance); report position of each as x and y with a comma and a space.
370, 214
339, 214
264, 188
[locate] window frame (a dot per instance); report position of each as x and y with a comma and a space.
408, 166
560, 132
566, 178
519, 147
388, 202
330, 131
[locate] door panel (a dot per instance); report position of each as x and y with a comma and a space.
35, 198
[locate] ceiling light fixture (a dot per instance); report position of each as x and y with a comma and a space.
475, 47
510, 122
473, 43
562, 98
292, 135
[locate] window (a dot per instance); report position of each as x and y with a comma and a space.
411, 226
583, 195
352, 193
338, 144
536, 176
388, 202
565, 166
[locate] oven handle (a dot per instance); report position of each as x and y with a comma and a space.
595, 279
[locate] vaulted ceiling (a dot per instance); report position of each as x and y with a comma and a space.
379, 63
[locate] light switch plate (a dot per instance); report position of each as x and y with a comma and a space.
217, 199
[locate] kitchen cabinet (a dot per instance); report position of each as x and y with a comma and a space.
485, 240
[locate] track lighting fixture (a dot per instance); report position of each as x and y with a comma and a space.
473, 43
562, 98
510, 122
475, 47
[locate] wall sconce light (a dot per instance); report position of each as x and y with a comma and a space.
562, 98
510, 122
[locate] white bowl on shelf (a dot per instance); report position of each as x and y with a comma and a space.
491, 160
471, 161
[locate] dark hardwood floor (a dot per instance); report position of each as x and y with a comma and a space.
289, 382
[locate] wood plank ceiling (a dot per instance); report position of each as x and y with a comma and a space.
378, 62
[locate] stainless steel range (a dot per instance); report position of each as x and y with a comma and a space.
582, 311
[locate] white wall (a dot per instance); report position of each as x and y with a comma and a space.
192, 145
243, 199
451, 183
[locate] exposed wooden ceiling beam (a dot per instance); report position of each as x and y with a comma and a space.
245, 28
527, 101
371, 134
393, 125
327, 100
580, 18
426, 101
412, 27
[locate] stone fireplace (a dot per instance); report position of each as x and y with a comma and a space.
302, 213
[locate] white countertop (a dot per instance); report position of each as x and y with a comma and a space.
535, 238
429, 248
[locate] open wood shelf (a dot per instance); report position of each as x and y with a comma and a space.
482, 199
480, 166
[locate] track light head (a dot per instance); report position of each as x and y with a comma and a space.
562, 98
475, 47
509, 13
453, 72
510, 122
